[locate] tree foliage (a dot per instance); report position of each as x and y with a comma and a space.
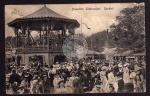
130, 30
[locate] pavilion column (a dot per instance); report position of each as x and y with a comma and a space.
16, 31
51, 32
63, 33
47, 35
28, 36
24, 33
40, 37
43, 35
16, 34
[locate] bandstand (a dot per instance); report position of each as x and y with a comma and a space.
52, 28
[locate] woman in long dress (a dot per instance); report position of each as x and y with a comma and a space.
61, 88
126, 76
57, 79
105, 84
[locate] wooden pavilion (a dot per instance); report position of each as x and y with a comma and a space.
52, 27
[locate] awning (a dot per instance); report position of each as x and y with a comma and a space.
130, 57
125, 53
91, 52
139, 54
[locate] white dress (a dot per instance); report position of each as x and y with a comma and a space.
111, 78
126, 76
61, 91
55, 83
68, 85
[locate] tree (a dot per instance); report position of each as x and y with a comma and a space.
97, 40
129, 32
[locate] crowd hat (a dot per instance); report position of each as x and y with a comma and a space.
44, 75
106, 64
93, 60
61, 81
14, 69
104, 68
72, 73
8, 75
126, 64
21, 86
119, 65
97, 86
119, 74
26, 75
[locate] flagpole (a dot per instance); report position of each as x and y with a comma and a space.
91, 43
81, 24
107, 42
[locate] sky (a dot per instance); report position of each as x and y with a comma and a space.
96, 20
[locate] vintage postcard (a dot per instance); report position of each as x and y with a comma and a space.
75, 48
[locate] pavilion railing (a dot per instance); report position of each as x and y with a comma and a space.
38, 48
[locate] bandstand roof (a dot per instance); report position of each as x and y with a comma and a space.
43, 14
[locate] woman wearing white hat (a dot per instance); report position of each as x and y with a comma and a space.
61, 88
105, 84
126, 76
56, 80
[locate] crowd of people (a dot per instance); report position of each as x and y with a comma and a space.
76, 77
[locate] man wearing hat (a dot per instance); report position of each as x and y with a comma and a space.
126, 76
120, 82
46, 84
128, 88
14, 78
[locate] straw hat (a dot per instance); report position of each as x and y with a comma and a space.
97, 86
60, 81
104, 68
119, 65
126, 64
72, 73
21, 85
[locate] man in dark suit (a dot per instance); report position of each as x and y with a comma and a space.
120, 82
14, 80
128, 88
46, 84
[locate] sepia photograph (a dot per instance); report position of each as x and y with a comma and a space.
75, 48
